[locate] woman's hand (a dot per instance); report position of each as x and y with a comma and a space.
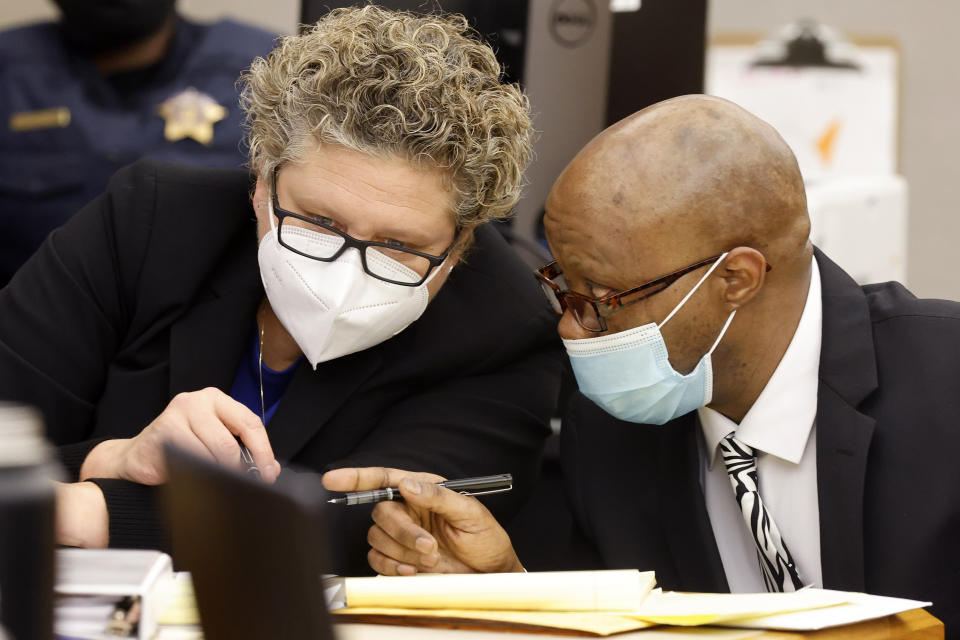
81, 515
435, 530
206, 423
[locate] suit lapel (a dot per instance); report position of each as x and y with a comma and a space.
843, 439
848, 374
686, 522
314, 396
207, 342
205, 349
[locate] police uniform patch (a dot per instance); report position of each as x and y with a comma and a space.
190, 114
54, 118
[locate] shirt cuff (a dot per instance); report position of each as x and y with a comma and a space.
134, 514
73, 455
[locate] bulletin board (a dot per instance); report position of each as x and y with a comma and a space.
841, 120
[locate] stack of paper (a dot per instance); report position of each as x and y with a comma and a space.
593, 602
599, 603
91, 583
858, 608
621, 590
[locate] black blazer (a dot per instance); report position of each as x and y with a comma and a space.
151, 290
888, 440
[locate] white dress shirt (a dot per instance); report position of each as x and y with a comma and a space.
780, 428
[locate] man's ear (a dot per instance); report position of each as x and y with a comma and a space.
744, 271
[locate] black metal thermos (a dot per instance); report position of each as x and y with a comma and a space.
26, 525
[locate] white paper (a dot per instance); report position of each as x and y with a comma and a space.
83, 616
623, 6
179, 633
334, 592
110, 573
838, 122
710, 608
860, 607
121, 572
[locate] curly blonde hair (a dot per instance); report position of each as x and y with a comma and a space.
382, 82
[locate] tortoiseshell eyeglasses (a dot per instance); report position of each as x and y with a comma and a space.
589, 312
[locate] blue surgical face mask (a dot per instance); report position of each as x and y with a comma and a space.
629, 375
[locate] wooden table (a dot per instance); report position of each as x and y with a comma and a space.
912, 625
915, 625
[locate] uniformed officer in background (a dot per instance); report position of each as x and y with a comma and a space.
106, 84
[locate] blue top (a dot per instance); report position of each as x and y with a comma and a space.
246, 386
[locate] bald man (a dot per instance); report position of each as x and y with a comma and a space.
749, 418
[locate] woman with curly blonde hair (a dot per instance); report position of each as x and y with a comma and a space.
380, 143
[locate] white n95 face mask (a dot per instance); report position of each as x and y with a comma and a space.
332, 309
628, 374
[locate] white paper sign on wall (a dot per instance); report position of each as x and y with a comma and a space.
839, 122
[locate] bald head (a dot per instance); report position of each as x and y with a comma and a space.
679, 181
673, 186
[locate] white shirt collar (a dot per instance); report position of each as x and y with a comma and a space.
780, 420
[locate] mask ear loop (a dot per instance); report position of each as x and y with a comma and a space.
439, 267
435, 271
692, 291
722, 331
273, 226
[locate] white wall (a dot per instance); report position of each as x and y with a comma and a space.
930, 95
280, 16
15, 12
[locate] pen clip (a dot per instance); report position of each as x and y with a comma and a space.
487, 492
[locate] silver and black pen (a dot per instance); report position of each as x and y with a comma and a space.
484, 485
249, 466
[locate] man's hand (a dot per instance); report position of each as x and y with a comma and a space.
435, 530
205, 423
81, 515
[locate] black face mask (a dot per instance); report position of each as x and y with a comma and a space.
99, 26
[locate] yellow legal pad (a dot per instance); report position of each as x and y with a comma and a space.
612, 590
597, 603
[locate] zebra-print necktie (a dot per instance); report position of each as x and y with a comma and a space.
776, 563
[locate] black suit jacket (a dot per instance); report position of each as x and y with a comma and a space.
151, 290
888, 438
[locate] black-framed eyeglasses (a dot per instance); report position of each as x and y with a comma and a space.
589, 312
314, 237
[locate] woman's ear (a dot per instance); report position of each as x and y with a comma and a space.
463, 242
260, 196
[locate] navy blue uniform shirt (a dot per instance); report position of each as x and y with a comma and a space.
51, 163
